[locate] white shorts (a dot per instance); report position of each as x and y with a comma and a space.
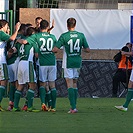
131, 76
26, 72
71, 73
47, 73
3, 72
13, 70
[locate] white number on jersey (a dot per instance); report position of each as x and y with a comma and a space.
22, 49
74, 46
46, 45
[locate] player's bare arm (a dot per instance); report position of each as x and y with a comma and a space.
22, 41
55, 50
53, 24
17, 26
87, 50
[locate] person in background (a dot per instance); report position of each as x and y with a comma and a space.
124, 70
37, 23
72, 42
4, 37
129, 96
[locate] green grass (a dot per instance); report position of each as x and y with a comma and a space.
94, 116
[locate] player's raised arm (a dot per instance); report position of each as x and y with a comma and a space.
13, 36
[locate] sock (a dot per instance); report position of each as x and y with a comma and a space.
128, 97
26, 101
71, 97
17, 96
46, 99
30, 97
42, 92
2, 92
49, 98
53, 97
5, 92
11, 92
75, 95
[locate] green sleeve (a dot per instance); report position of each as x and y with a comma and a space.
31, 39
60, 42
5, 37
85, 44
35, 47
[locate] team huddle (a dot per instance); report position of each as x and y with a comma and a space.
28, 57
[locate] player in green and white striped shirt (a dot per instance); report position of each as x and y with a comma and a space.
72, 42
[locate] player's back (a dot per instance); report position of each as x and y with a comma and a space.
46, 43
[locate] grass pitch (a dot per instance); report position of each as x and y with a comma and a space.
94, 116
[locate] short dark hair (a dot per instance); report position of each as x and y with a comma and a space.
44, 24
71, 22
125, 49
22, 27
38, 18
128, 43
28, 25
3, 22
30, 31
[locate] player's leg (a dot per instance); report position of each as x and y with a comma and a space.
12, 87
120, 76
75, 90
68, 74
129, 96
42, 88
3, 81
51, 79
42, 92
76, 72
53, 95
2, 91
22, 79
47, 95
30, 94
17, 97
12, 90
31, 80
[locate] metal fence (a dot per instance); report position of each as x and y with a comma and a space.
8, 15
86, 4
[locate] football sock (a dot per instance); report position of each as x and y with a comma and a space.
11, 92
46, 99
75, 95
53, 97
42, 92
2, 92
30, 97
71, 97
49, 98
128, 97
17, 98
